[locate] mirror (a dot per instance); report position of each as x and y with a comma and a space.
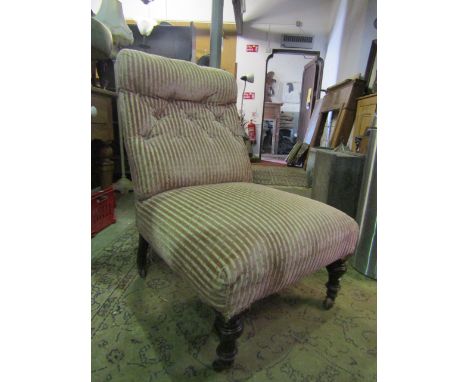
283, 102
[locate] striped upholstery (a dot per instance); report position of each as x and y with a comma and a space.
238, 242
233, 241
180, 124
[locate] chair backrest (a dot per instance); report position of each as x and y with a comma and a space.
179, 122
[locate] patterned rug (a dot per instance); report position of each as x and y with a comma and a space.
279, 176
155, 329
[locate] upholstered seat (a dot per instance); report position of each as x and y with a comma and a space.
235, 243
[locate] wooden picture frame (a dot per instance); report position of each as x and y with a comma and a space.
371, 69
340, 99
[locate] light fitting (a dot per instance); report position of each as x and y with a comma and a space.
249, 78
111, 15
146, 23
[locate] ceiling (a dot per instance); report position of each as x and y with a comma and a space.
280, 16
277, 16
181, 10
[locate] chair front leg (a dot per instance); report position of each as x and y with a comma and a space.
335, 271
228, 331
142, 256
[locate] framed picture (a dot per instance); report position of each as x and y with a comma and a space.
371, 69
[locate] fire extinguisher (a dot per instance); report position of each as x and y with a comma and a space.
252, 132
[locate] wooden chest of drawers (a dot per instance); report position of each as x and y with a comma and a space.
102, 130
101, 123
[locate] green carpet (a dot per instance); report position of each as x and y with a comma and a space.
155, 329
279, 176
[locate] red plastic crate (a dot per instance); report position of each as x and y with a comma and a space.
102, 209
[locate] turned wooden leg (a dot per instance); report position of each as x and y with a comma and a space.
106, 165
335, 271
142, 256
229, 331
219, 321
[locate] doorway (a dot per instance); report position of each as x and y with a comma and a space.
286, 107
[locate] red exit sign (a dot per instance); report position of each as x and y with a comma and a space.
249, 95
252, 48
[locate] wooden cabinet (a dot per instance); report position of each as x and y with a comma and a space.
101, 123
365, 113
102, 132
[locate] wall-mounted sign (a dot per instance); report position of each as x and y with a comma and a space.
252, 48
249, 95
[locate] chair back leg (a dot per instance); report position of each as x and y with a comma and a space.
228, 331
335, 271
142, 255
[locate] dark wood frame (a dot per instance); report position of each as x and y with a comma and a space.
343, 101
142, 256
103, 132
288, 51
371, 62
229, 330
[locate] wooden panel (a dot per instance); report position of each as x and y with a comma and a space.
228, 53
343, 127
102, 131
272, 110
102, 124
102, 167
344, 94
104, 108
342, 97
366, 108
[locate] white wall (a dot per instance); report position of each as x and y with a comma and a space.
256, 63
332, 58
358, 37
350, 40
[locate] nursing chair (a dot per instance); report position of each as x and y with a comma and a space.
233, 241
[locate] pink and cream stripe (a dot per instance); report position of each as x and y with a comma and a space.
233, 241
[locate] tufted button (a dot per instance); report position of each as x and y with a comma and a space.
171, 97
159, 113
193, 114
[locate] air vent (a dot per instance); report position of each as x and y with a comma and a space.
297, 41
